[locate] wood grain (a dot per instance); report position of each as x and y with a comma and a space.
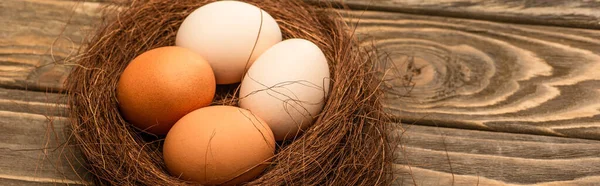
487, 76
47, 104
463, 74
490, 158
42, 37
572, 13
466, 74
18, 182
31, 153
33, 145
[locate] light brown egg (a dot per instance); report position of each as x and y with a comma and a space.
218, 145
162, 85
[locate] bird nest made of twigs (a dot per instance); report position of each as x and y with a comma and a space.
347, 145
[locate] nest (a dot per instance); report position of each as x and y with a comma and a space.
348, 144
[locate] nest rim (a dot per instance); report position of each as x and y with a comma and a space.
348, 143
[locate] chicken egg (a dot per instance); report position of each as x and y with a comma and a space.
219, 145
287, 86
162, 85
230, 35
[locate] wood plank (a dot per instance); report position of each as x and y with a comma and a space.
47, 104
442, 156
19, 182
428, 177
471, 74
487, 158
488, 76
490, 158
572, 13
33, 146
36, 50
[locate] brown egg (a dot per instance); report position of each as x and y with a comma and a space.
162, 85
219, 145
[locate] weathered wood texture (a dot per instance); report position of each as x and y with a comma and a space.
33, 147
490, 158
488, 76
32, 153
464, 74
569, 13
38, 38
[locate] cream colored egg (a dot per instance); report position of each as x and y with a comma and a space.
287, 86
230, 35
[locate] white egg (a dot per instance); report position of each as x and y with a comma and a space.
287, 86
230, 35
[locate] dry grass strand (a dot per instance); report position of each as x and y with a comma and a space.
348, 145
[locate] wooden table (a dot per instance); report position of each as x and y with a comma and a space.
501, 92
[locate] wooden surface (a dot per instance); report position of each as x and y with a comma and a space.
489, 76
490, 158
32, 144
490, 103
569, 13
